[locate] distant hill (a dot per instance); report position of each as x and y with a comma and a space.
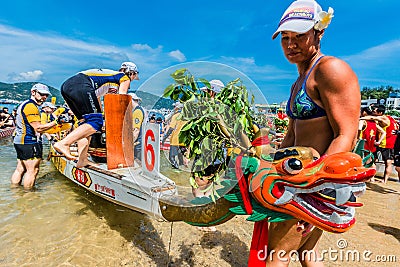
150, 101
21, 91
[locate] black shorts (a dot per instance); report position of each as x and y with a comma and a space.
397, 152
79, 93
29, 151
396, 161
387, 153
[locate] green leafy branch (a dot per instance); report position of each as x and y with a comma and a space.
213, 124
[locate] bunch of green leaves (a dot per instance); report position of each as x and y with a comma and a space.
212, 124
280, 125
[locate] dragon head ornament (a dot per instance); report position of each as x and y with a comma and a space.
320, 191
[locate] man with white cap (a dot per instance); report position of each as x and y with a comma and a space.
214, 89
82, 93
27, 141
323, 111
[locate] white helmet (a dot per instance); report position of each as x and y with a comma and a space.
129, 66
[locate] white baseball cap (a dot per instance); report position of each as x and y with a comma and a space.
130, 67
215, 85
41, 88
300, 17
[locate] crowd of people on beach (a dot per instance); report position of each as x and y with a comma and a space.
7, 119
379, 132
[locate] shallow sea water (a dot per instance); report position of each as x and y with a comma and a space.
60, 224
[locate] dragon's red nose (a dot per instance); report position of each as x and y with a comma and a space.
342, 162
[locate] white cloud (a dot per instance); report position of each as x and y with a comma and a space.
377, 54
146, 47
59, 57
35, 75
378, 65
177, 55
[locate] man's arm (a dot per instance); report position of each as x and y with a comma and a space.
41, 128
124, 86
34, 119
382, 120
382, 135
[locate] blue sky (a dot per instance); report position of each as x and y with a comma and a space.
49, 41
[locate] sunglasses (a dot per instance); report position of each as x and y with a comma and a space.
46, 95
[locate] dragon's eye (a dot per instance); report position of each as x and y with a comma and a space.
292, 166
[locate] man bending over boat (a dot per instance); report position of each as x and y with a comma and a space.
82, 93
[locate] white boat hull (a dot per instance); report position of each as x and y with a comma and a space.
125, 186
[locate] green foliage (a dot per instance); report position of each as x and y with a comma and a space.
262, 120
393, 113
213, 124
381, 92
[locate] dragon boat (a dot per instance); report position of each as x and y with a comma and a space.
6, 132
118, 178
267, 187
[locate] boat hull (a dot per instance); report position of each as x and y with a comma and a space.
6, 132
158, 198
125, 186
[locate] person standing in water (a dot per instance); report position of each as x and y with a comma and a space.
27, 140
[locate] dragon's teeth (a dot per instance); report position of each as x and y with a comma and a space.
359, 190
359, 193
343, 194
286, 197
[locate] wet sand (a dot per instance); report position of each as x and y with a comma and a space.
377, 230
93, 232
